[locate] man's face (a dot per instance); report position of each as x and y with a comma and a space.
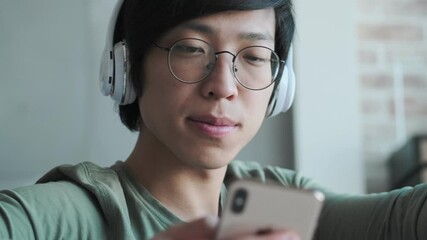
205, 124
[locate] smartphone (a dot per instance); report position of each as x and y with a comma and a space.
254, 208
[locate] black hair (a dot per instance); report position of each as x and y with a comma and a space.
142, 22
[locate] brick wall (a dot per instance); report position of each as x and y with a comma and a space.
392, 45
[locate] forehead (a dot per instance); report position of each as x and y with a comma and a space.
253, 25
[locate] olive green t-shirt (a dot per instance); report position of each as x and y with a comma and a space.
86, 201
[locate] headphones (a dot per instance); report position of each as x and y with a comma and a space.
115, 75
114, 72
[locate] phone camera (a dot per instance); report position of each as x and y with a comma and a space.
239, 200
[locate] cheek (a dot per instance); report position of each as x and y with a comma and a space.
163, 96
153, 94
258, 102
155, 79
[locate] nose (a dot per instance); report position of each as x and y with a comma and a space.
221, 82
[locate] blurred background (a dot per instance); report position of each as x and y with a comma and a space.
361, 91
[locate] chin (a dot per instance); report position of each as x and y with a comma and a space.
211, 161
204, 155
212, 164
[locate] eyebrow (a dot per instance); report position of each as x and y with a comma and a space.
256, 36
206, 29
198, 27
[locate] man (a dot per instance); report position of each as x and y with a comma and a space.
196, 79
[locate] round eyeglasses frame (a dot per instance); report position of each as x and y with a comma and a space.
169, 50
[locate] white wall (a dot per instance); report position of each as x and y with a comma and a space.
51, 112
327, 118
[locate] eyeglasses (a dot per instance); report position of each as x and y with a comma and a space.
191, 60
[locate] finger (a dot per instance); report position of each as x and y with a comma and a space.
203, 228
276, 235
283, 235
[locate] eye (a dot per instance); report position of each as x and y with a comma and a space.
187, 49
257, 60
256, 56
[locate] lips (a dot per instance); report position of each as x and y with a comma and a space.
213, 126
211, 120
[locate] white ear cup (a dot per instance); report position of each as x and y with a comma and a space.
106, 72
122, 91
284, 93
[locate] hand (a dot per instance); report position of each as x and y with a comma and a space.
204, 229
279, 235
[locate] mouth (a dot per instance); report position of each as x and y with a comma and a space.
213, 126
214, 121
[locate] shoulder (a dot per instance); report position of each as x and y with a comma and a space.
101, 182
68, 200
85, 172
245, 169
49, 210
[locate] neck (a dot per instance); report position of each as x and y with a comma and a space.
187, 190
